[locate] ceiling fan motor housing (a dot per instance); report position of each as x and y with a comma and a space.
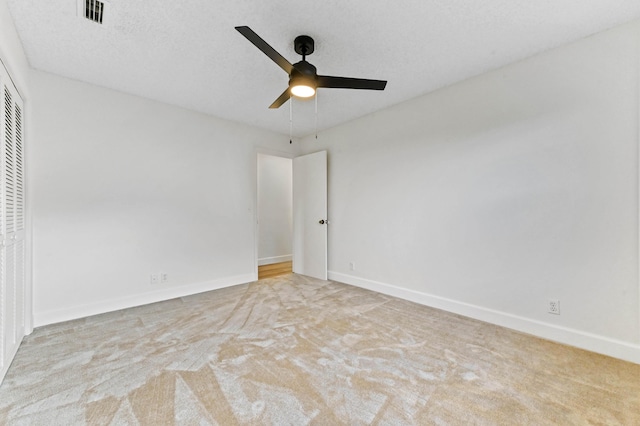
303, 71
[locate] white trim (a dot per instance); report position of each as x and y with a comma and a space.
28, 236
580, 339
9, 360
75, 312
274, 259
272, 153
638, 170
15, 86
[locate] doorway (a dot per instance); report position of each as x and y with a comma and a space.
275, 215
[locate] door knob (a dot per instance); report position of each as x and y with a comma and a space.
321, 222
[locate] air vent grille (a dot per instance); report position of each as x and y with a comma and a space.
93, 10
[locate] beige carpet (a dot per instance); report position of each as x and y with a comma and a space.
292, 350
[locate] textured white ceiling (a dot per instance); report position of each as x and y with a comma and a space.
188, 53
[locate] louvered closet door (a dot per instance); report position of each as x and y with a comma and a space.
12, 224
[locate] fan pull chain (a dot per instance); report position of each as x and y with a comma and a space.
291, 120
316, 114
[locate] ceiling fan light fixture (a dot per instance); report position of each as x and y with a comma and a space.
303, 90
302, 86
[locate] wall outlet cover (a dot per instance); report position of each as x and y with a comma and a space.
554, 306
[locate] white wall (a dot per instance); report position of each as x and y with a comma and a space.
125, 187
275, 204
494, 195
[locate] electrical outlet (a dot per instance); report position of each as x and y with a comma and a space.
164, 277
554, 306
352, 266
155, 278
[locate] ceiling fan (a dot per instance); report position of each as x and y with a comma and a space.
303, 78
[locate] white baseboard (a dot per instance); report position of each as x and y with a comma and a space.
75, 312
274, 259
580, 339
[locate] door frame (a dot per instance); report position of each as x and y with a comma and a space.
273, 153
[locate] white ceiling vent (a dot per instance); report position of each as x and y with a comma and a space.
93, 10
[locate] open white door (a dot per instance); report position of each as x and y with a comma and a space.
310, 215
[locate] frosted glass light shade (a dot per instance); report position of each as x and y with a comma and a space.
303, 91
